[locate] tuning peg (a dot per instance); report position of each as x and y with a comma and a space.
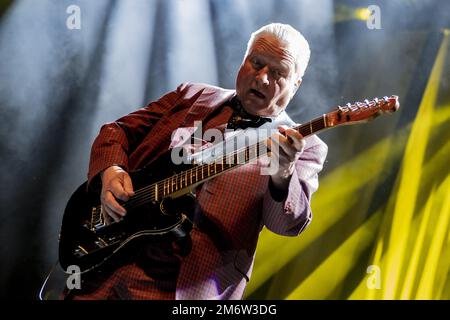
362, 105
396, 105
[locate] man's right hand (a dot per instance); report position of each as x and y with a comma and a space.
116, 184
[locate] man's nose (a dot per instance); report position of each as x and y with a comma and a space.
263, 75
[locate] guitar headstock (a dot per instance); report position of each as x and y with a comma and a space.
362, 111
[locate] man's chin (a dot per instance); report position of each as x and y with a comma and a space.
255, 106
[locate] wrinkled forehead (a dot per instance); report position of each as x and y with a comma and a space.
274, 47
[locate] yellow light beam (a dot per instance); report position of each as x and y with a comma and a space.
436, 164
440, 293
417, 251
275, 251
426, 284
330, 274
410, 178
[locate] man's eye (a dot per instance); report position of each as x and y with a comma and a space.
277, 74
256, 63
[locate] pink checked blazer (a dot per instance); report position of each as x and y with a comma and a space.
238, 203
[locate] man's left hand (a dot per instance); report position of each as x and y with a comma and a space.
286, 148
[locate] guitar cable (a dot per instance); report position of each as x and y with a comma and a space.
46, 280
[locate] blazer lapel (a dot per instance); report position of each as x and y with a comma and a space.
208, 102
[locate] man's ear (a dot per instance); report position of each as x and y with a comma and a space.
296, 86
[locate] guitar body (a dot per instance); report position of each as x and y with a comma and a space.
87, 242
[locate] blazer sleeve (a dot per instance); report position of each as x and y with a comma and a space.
117, 140
292, 215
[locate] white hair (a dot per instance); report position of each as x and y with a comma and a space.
298, 45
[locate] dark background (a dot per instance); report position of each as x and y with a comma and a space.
57, 86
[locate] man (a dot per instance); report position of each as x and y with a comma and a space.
232, 208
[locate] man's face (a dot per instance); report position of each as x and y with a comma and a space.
265, 82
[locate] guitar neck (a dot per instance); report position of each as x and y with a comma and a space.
313, 126
186, 180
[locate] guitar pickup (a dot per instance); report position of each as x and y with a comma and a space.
80, 251
101, 243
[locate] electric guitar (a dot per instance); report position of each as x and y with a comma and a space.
163, 202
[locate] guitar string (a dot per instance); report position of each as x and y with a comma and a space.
142, 196
174, 180
316, 124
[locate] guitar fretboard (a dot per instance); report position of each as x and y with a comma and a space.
187, 180
203, 172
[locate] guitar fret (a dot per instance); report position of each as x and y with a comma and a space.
247, 154
155, 193
159, 190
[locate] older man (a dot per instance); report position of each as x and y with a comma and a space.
232, 208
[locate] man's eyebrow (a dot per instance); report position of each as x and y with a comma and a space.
283, 65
